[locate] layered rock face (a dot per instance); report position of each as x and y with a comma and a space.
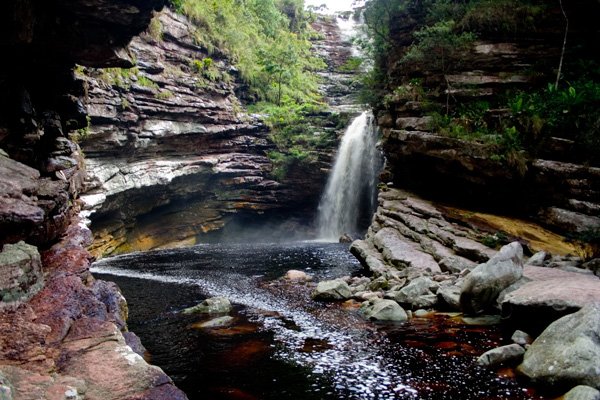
170, 153
60, 329
549, 184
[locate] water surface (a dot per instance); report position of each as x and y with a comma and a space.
283, 345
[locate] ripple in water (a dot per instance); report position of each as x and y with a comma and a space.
341, 356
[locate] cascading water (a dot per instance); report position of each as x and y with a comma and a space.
351, 187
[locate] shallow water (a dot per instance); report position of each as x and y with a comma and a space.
281, 344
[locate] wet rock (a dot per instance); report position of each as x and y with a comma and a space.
336, 289
582, 392
567, 352
483, 285
345, 238
384, 310
512, 353
297, 276
521, 338
218, 322
21, 273
213, 305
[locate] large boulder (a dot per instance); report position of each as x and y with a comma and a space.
336, 289
403, 253
483, 285
419, 293
567, 353
383, 310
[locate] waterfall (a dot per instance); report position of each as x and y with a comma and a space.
351, 188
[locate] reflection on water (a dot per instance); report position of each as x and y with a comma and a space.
282, 345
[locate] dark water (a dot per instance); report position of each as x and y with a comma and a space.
281, 344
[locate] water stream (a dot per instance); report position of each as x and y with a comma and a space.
350, 193
283, 345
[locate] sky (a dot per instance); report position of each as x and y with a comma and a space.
332, 5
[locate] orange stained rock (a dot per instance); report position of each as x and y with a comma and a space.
538, 237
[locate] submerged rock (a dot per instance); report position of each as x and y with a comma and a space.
214, 305
336, 289
383, 310
218, 322
512, 353
567, 353
582, 392
483, 285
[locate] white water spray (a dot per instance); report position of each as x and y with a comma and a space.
350, 190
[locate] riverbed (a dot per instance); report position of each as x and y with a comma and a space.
283, 345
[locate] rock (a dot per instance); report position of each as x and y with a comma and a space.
345, 238
538, 259
521, 338
450, 295
455, 264
483, 285
418, 287
384, 310
213, 305
547, 294
297, 276
570, 221
132, 340
218, 322
21, 274
582, 392
402, 253
336, 289
512, 353
567, 352
593, 265
472, 249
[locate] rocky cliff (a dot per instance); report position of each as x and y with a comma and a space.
171, 154
60, 329
554, 181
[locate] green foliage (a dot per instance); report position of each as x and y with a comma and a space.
267, 40
438, 47
164, 95
155, 29
352, 65
144, 81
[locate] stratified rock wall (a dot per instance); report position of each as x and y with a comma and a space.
178, 157
549, 184
60, 329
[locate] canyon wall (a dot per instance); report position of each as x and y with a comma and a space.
171, 153
62, 333
556, 183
